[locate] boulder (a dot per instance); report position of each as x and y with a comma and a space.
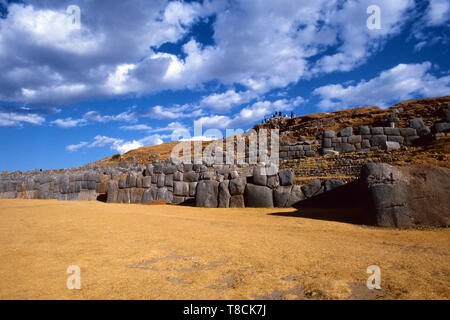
364, 130
313, 188
328, 134
164, 194
407, 196
149, 195
346, 132
161, 180
273, 181
178, 176
192, 189
259, 176
131, 181
332, 184
258, 196
286, 177
190, 176
287, 196
168, 180
390, 145
123, 196
207, 194
181, 188
378, 140
224, 194
147, 182
237, 186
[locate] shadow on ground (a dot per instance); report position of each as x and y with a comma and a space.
348, 203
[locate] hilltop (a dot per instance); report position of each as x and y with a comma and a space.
312, 125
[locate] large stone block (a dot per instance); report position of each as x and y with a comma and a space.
406, 132
113, 191
346, 132
286, 177
147, 182
123, 196
398, 139
287, 196
326, 143
332, 184
354, 139
131, 181
313, 188
364, 130
377, 130
259, 176
258, 196
207, 194
149, 195
168, 180
407, 196
161, 180
178, 176
224, 194
377, 140
164, 194
192, 188
273, 181
136, 195
181, 188
237, 186
328, 134
391, 131
390, 145
347, 147
191, 176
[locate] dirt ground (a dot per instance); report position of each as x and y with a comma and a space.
173, 252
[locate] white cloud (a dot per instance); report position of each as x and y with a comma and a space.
68, 123
95, 117
402, 82
75, 147
224, 102
137, 127
116, 144
438, 12
175, 112
13, 119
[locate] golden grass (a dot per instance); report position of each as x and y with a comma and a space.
172, 252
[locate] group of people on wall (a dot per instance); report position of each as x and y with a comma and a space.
278, 115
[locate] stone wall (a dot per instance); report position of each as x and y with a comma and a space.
223, 186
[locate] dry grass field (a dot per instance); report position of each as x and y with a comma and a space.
172, 252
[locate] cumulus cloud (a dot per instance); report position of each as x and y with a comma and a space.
258, 45
116, 144
404, 81
224, 102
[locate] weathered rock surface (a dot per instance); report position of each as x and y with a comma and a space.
407, 196
207, 194
258, 196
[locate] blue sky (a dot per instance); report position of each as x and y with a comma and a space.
135, 73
